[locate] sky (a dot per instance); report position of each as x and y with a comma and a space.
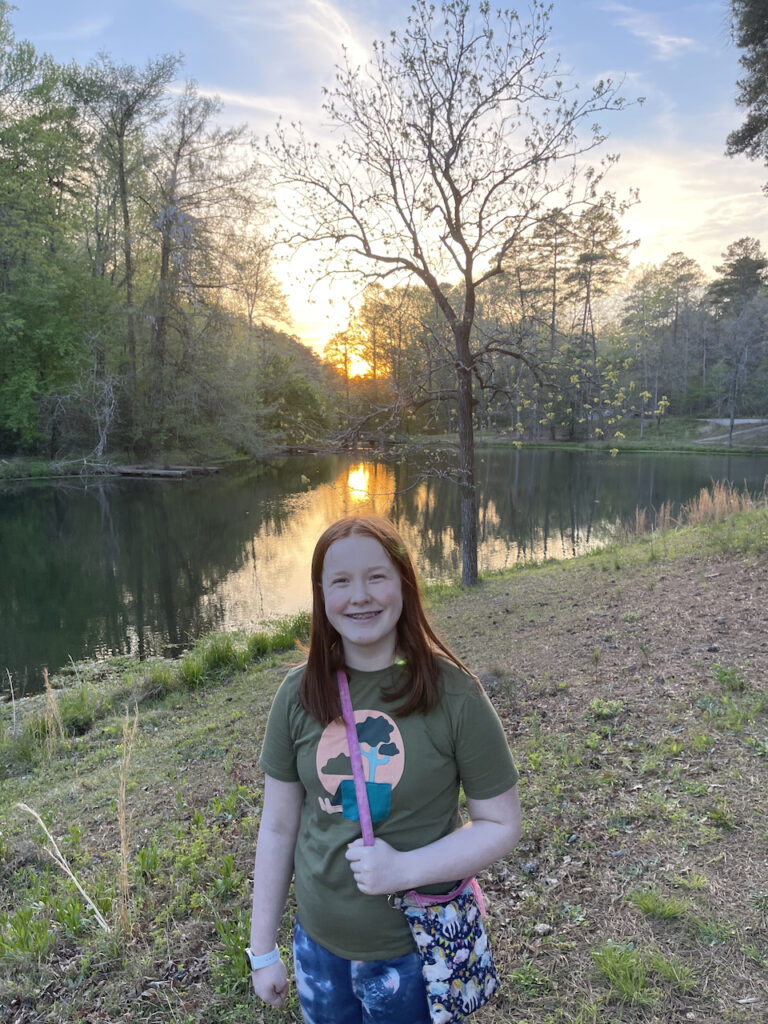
267, 59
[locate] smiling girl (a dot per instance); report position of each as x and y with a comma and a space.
426, 728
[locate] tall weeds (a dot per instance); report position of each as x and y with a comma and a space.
58, 857
54, 727
716, 503
713, 504
14, 730
129, 736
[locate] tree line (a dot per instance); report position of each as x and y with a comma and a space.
138, 299
594, 342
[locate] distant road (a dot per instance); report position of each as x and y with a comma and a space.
741, 429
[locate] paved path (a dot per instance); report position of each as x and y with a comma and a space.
741, 429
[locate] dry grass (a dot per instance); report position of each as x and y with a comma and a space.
58, 858
664, 520
54, 727
713, 504
14, 725
129, 737
718, 502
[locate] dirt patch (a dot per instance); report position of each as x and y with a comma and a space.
636, 704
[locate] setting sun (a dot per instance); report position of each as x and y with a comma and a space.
359, 367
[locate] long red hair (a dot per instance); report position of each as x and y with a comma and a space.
416, 640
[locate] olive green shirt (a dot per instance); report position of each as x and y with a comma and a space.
413, 766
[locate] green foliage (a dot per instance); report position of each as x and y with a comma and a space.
227, 882
721, 817
25, 933
729, 678
228, 964
528, 979
79, 708
625, 971
147, 861
670, 969
751, 36
601, 708
69, 913
653, 903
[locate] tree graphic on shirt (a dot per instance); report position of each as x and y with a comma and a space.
373, 736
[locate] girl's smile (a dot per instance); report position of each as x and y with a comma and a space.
363, 598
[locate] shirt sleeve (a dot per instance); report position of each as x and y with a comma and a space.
483, 757
278, 753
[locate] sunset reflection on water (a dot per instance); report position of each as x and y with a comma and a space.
273, 578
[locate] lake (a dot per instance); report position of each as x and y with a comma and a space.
141, 566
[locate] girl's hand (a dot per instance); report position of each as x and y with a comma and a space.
271, 983
376, 868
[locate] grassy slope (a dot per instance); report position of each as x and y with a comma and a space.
632, 684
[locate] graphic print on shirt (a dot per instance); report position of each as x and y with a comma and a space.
381, 749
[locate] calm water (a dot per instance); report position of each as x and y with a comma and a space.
145, 566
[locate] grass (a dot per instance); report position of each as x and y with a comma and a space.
75, 711
637, 894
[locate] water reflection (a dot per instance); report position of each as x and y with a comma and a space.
140, 567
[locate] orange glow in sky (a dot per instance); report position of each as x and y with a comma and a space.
359, 367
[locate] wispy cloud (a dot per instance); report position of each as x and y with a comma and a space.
286, 107
314, 29
696, 205
645, 26
82, 31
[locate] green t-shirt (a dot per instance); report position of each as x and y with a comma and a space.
413, 767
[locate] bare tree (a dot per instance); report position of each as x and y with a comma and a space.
453, 143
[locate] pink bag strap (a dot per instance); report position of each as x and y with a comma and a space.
423, 900
357, 761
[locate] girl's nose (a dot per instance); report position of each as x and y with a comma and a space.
359, 591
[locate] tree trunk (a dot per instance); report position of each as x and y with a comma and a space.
467, 489
128, 256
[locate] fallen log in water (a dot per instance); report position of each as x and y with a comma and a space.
164, 471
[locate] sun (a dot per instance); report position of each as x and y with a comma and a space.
359, 367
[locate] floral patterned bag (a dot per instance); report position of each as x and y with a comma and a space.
456, 960
459, 972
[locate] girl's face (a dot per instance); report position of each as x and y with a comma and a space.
363, 600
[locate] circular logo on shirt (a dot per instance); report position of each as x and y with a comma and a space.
382, 754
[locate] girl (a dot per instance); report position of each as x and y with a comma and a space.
425, 728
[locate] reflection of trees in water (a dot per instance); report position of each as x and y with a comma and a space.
128, 566
145, 566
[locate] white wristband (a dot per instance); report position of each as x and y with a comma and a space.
257, 962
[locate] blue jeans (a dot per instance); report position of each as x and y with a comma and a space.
333, 990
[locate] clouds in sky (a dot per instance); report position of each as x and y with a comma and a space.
312, 30
697, 206
78, 31
645, 26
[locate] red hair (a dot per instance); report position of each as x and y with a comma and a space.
416, 641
